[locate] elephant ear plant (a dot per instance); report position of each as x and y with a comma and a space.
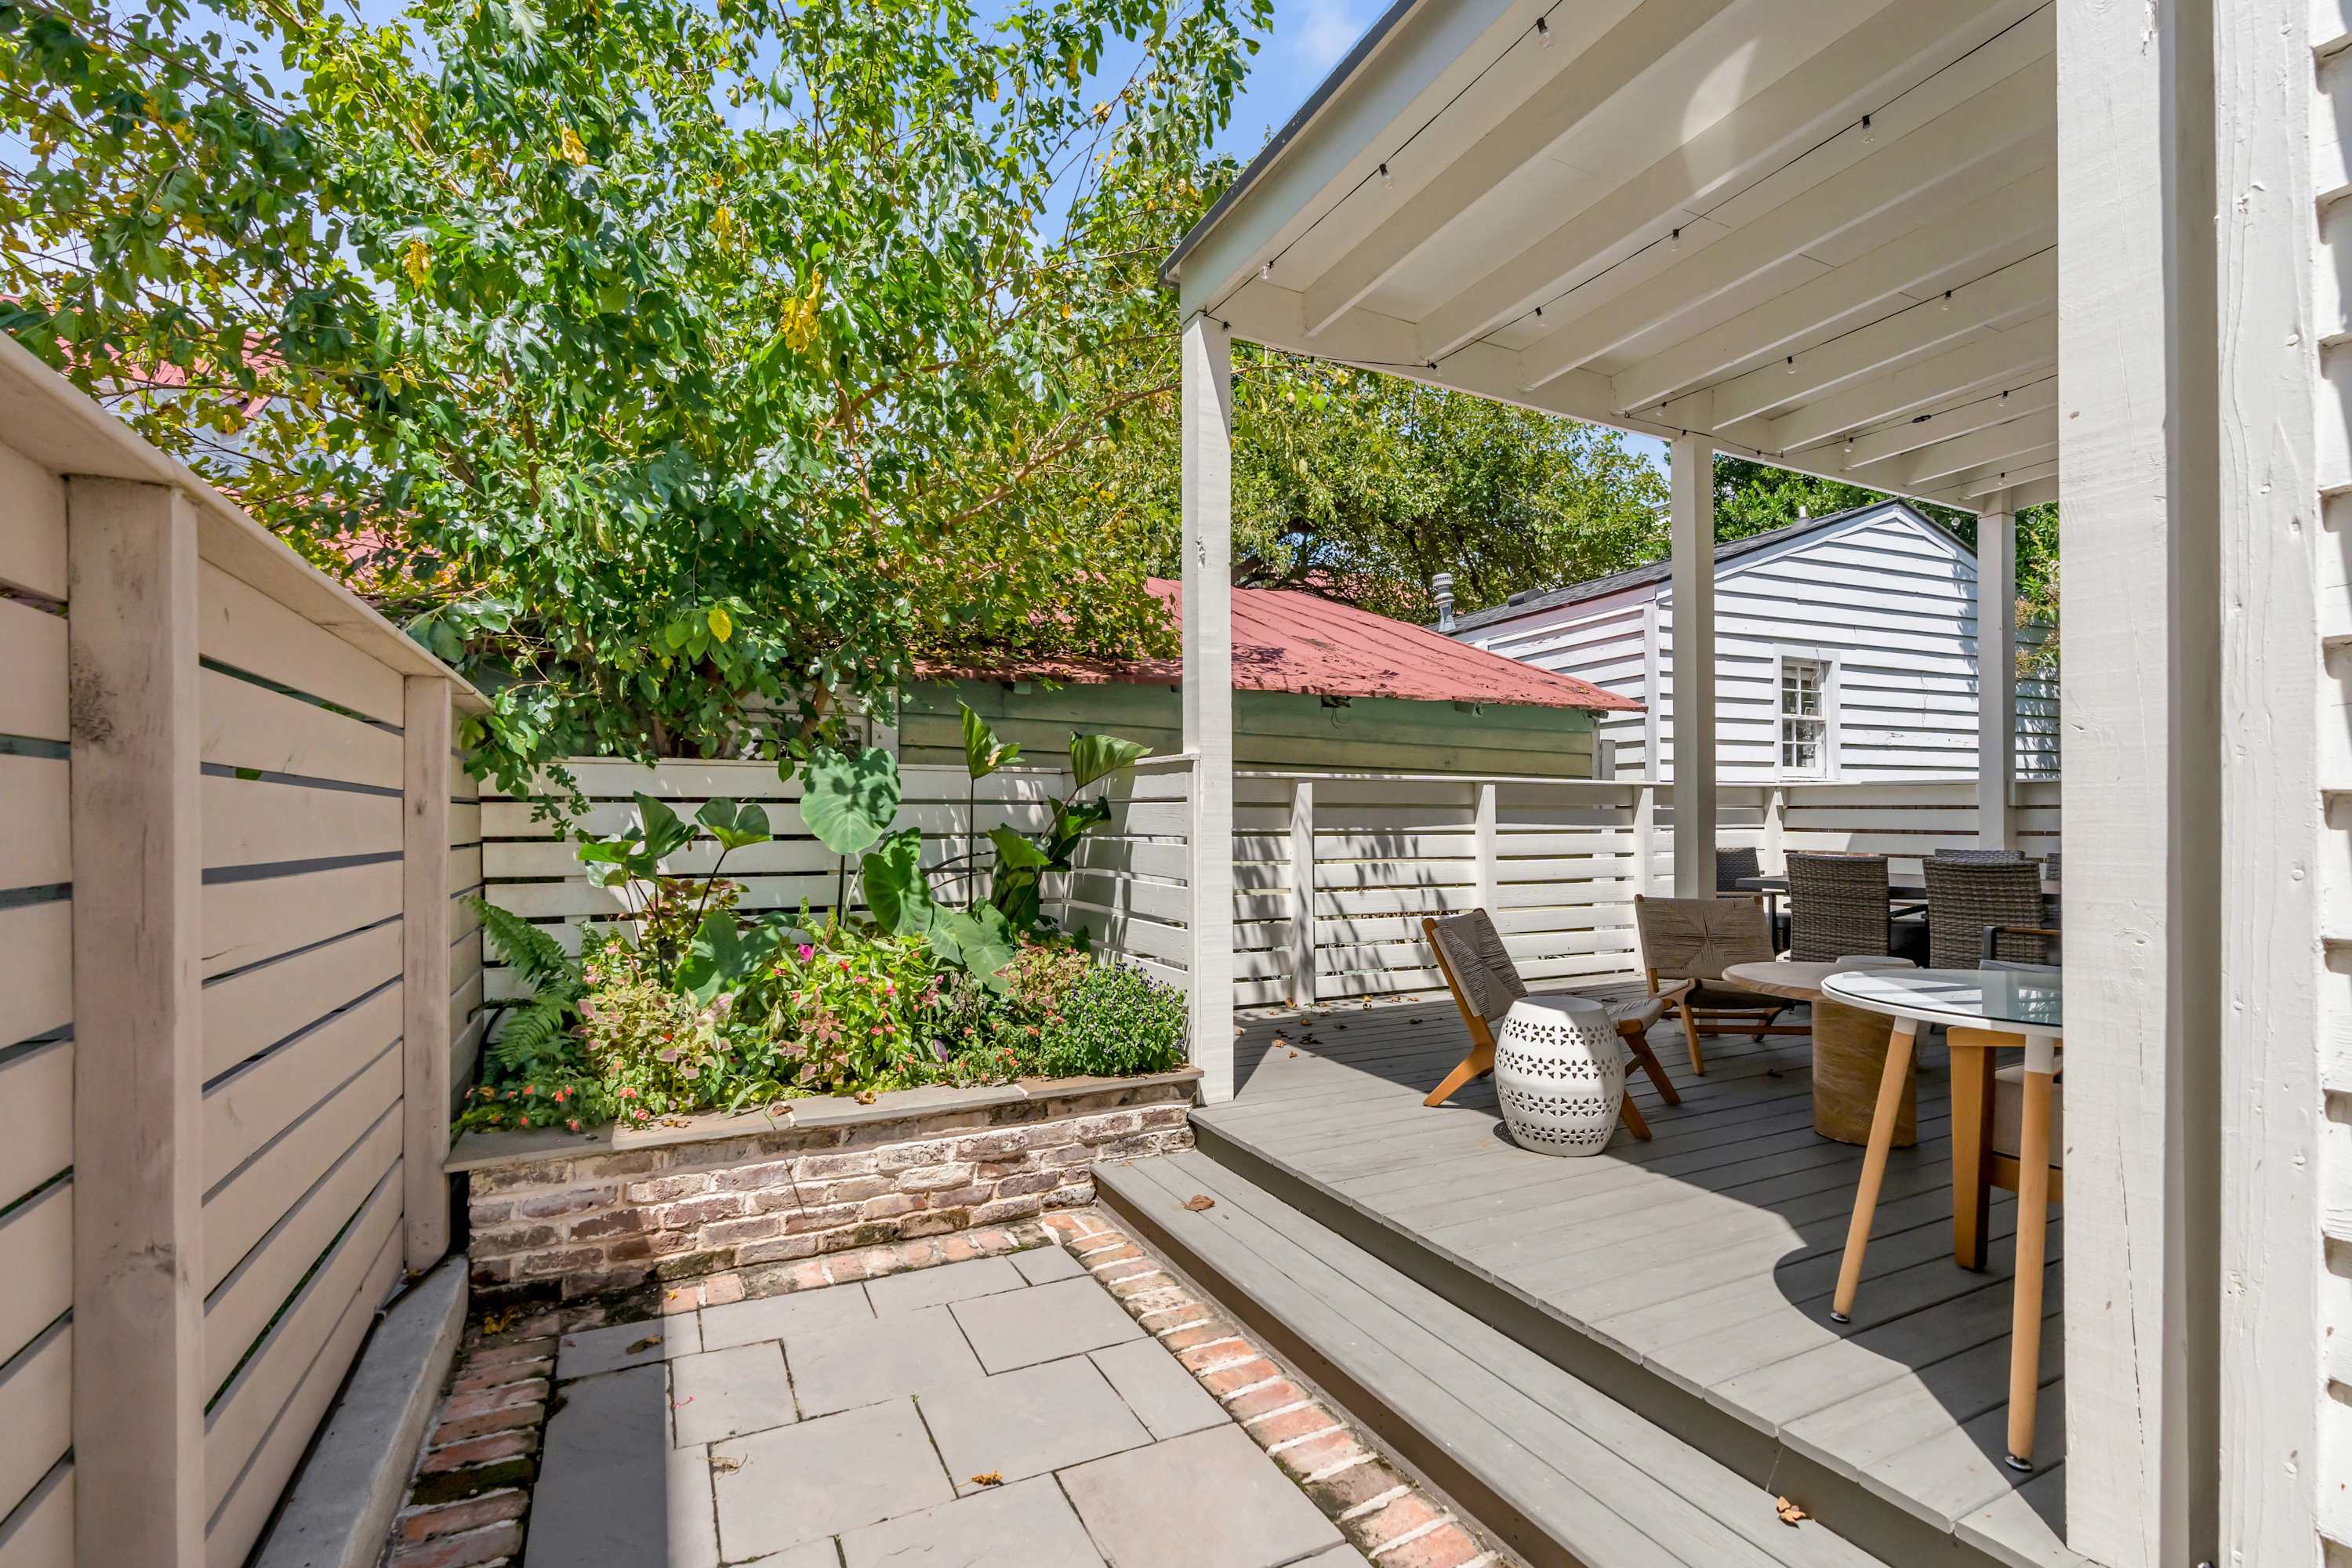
975, 908
688, 926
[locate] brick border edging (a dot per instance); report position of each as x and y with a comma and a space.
470, 1499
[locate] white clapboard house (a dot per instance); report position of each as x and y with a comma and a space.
1845, 652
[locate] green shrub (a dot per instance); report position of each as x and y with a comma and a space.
1115, 1021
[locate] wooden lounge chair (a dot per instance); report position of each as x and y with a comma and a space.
1484, 982
1686, 945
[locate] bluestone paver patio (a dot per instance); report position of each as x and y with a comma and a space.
846, 1427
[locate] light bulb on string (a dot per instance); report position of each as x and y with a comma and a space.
1869, 134
1543, 31
1388, 181
1792, 364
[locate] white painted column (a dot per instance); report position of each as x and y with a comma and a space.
1486, 812
1693, 673
2137, 326
1208, 416
138, 1183
425, 969
1997, 674
1302, 893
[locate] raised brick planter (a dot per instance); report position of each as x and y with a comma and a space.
572, 1214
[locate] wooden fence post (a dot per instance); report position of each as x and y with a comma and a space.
138, 1189
1645, 836
425, 969
1770, 851
1302, 893
1483, 840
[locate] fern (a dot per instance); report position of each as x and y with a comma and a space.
536, 1030
536, 957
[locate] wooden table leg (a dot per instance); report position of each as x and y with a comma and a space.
1971, 1144
1891, 1085
2032, 1245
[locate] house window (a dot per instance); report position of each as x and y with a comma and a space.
1804, 719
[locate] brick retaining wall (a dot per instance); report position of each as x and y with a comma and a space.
577, 1217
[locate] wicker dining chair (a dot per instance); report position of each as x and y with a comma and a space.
1964, 899
1686, 945
1837, 907
1978, 856
1731, 866
1484, 982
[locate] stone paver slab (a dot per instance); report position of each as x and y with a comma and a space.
1028, 1524
775, 1317
612, 1492
1022, 1328
725, 1393
1025, 1422
1209, 1501
1167, 1398
1044, 1264
855, 1364
822, 1478
919, 1288
1338, 1557
595, 1350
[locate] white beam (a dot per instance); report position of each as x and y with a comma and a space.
2021, 288
1856, 73
2036, 492
1591, 78
1208, 591
1996, 675
2141, 799
1927, 429
1994, 444
1691, 485
425, 969
1973, 367
1915, 152
1983, 231
2042, 463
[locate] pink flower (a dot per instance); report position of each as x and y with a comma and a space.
807, 953
574, 1124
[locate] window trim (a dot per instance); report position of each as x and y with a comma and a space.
1831, 727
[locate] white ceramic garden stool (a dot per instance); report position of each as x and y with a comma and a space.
1559, 1071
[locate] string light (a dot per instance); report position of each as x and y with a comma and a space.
2004, 397
1388, 181
1543, 31
1947, 298
1849, 444
1869, 135
1676, 242
1540, 314
1792, 364
1266, 272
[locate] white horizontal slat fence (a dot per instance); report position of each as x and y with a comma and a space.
212, 953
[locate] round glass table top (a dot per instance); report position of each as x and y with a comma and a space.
2017, 1002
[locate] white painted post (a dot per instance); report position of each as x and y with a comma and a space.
2281, 1008
1646, 837
2137, 328
1997, 674
1693, 548
1302, 893
1207, 436
138, 868
1655, 764
1482, 845
424, 970
1770, 856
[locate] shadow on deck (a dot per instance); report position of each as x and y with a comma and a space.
1688, 1277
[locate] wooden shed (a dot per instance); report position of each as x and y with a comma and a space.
1317, 684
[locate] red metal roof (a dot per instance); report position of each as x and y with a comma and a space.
1285, 641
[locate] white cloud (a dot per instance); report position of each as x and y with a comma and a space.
1322, 31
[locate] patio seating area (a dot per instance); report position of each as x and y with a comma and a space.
1688, 1278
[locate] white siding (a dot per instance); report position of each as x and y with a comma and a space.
1888, 600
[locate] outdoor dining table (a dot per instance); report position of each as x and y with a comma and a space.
1849, 1045
1983, 1011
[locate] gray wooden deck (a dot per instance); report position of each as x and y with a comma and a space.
1689, 1277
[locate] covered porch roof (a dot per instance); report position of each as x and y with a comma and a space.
1818, 233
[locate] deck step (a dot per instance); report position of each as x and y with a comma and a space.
1562, 1473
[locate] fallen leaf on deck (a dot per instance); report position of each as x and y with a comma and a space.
1789, 1512
1293, 1050
648, 1342
988, 1478
501, 1320
866, 1097
1200, 1203
725, 1467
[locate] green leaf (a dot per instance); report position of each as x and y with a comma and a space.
1016, 851
895, 893
735, 828
983, 942
723, 955
658, 828
1094, 757
722, 625
983, 753
849, 800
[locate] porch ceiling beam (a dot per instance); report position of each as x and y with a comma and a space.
2020, 211
1981, 365
2041, 492
1589, 81
1971, 489
1927, 429
1824, 96
2019, 289
1937, 148
1995, 444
